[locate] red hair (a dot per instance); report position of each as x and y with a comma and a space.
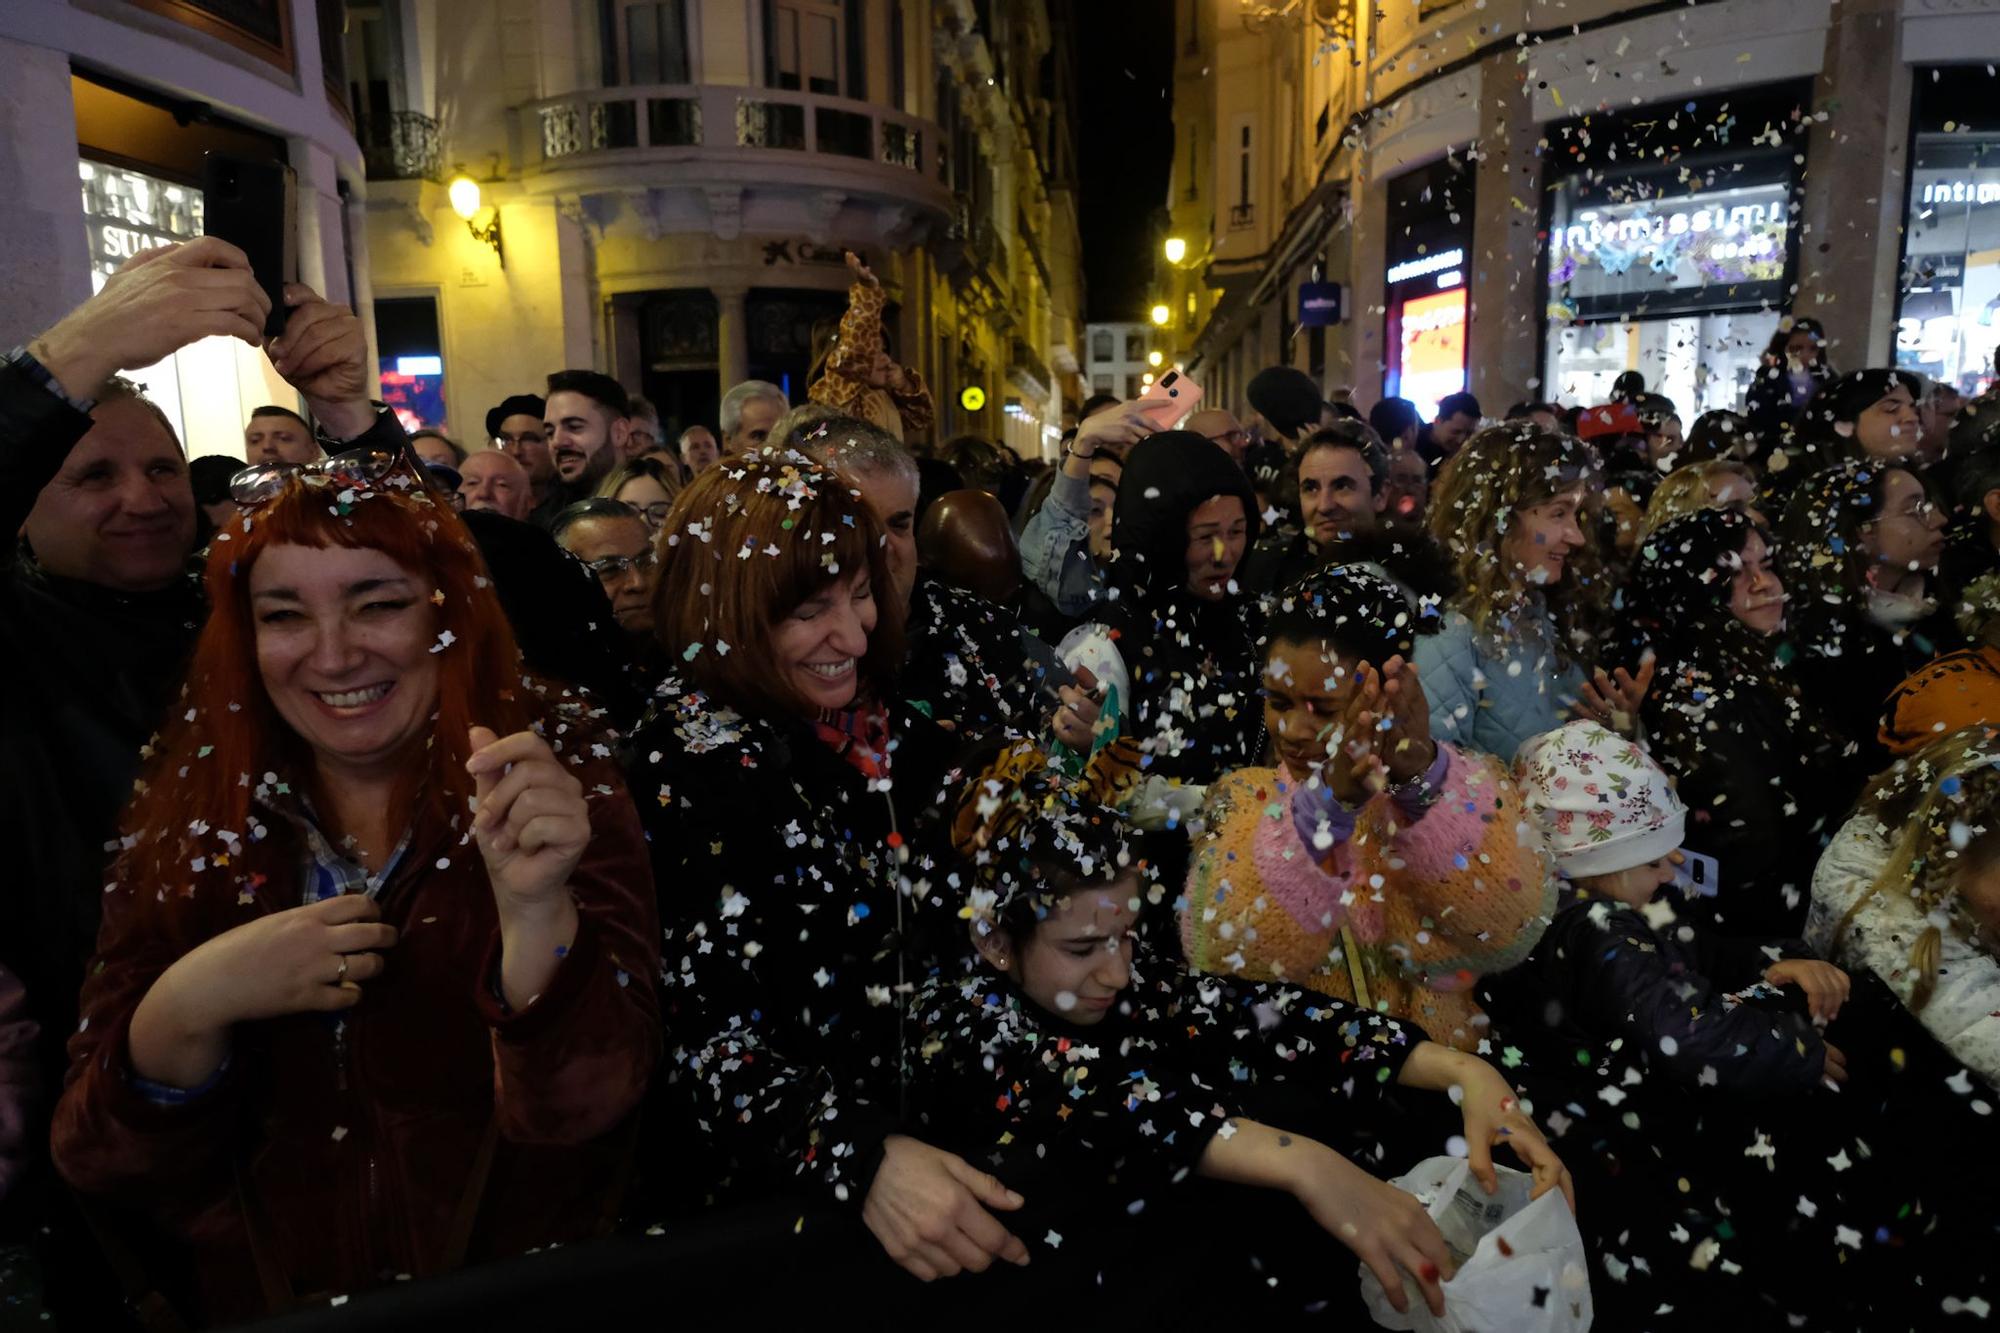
197, 795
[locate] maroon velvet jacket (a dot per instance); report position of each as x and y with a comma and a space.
354, 1161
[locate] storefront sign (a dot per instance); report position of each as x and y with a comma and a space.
1670, 254
1319, 304
1443, 263
1960, 192
1429, 347
126, 212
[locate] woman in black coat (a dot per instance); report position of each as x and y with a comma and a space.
1858, 547
1186, 630
1756, 767
782, 780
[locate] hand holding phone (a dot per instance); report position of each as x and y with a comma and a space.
254, 206
1169, 399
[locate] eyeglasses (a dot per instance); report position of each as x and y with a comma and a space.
611, 568
655, 513
506, 441
369, 468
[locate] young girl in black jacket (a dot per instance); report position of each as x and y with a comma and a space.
1094, 1075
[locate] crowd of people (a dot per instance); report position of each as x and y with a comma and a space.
957, 883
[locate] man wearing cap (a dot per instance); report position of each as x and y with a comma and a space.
516, 428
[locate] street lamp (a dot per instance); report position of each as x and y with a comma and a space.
1146, 378
464, 194
1161, 314
1176, 249
1154, 358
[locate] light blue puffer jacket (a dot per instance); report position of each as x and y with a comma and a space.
1483, 702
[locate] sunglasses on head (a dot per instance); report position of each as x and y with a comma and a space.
371, 468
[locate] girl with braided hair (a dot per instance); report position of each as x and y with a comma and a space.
1910, 890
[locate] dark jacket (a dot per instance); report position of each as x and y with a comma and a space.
560, 615
1764, 784
85, 674
1093, 1121
795, 901
1279, 561
972, 663
21, 1087
1601, 975
355, 1142
1194, 664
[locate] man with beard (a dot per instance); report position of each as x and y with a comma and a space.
587, 421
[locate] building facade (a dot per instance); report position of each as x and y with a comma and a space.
1123, 358
1527, 204
108, 108
666, 190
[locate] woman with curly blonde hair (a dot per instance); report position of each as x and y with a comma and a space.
1910, 889
1510, 661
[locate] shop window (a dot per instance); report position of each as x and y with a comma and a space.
412, 351
1948, 300
208, 388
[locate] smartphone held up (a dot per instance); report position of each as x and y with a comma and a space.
254, 206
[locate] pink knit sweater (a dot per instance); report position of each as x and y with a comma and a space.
1430, 904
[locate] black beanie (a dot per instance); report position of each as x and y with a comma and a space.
1286, 397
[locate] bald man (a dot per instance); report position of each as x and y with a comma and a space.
966, 540
1222, 428
493, 479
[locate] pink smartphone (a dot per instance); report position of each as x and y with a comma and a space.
1169, 398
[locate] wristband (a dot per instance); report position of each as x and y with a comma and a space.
25, 361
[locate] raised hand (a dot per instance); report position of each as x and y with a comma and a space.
1075, 720
1613, 701
532, 823
158, 302
929, 1208
1405, 745
323, 353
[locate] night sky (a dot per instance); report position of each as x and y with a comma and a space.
1125, 135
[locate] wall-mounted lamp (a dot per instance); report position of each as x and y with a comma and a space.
465, 202
1176, 249
1161, 314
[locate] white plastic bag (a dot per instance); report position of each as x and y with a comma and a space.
1520, 1265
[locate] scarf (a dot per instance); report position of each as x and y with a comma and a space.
860, 736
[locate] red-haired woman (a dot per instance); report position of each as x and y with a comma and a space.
782, 777
341, 1028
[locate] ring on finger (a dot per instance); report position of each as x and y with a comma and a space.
340, 977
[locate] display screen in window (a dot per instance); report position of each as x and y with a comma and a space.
1427, 342
1948, 320
1628, 251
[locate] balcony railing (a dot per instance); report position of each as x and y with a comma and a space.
563, 130
402, 146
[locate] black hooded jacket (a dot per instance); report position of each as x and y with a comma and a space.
1763, 780
1194, 663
